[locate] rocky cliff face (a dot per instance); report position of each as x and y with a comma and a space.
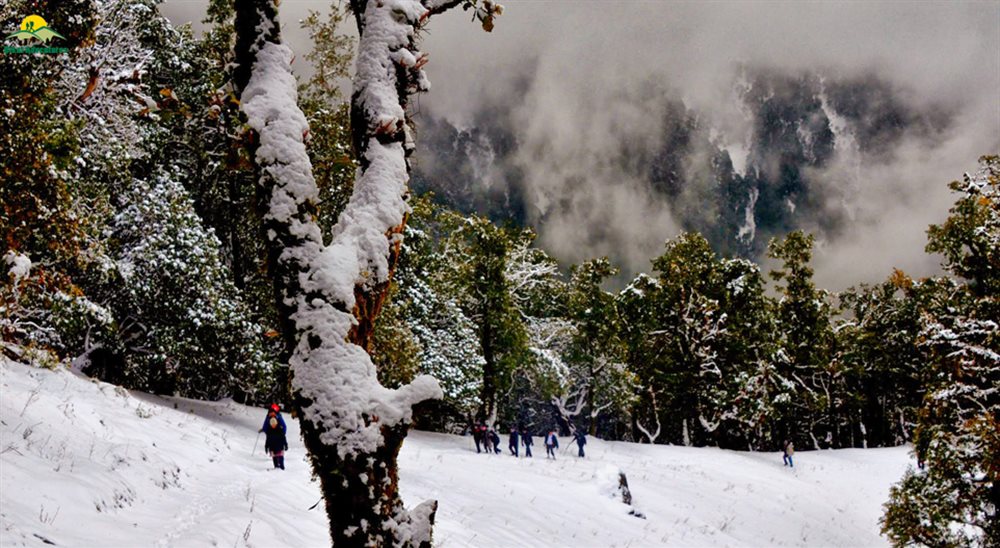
795, 163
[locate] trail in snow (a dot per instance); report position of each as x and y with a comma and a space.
88, 464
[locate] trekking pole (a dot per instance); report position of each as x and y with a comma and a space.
256, 441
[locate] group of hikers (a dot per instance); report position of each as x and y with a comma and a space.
488, 439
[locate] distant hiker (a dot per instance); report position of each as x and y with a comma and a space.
581, 439
526, 440
788, 448
276, 443
274, 412
487, 438
495, 438
477, 436
512, 442
551, 444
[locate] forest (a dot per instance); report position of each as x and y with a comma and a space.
141, 246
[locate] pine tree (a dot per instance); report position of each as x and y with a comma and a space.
752, 389
879, 344
803, 314
596, 349
955, 500
480, 265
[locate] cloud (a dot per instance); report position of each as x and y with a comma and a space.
583, 84
598, 73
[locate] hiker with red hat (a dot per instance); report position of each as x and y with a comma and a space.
276, 443
273, 413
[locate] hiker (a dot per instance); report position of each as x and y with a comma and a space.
273, 413
495, 438
477, 436
276, 444
788, 448
526, 440
581, 440
487, 438
551, 444
512, 442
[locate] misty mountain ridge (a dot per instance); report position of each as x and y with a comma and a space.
794, 162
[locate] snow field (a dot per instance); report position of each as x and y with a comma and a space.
84, 463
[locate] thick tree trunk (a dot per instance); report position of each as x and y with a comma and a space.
489, 391
328, 296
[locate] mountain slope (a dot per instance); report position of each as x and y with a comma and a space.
85, 463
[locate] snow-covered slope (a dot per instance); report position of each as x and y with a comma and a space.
84, 463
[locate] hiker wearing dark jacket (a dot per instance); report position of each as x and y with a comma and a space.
276, 444
526, 440
275, 412
477, 436
487, 439
581, 439
512, 442
551, 444
495, 438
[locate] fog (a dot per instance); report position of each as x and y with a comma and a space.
583, 79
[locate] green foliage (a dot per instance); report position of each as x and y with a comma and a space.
478, 258
878, 346
803, 314
39, 145
955, 500
445, 341
320, 99
595, 355
969, 237
183, 326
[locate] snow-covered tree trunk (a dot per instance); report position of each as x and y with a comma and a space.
330, 294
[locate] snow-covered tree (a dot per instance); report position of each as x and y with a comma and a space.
803, 314
636, 319
480, 275
38, 192
596, 354
955, 500
181, 326
447, 339
878, 344
752, 391
685, 336
329, 295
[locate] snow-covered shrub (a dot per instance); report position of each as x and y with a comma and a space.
181, 322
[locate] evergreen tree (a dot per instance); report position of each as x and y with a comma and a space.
40, 219
479, 260
596, 350
879, 344
955, 500
636, 319
803, 314
687, 326
752, 391
182, 327
446, 340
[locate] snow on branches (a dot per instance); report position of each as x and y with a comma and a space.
336, 376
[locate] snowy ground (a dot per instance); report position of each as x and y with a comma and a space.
88, 464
